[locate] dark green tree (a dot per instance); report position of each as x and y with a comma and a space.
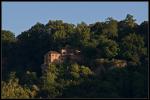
107, 47
8, 51
110, 28
132, 47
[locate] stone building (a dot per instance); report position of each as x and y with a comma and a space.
52, 57
65, 54
70, 54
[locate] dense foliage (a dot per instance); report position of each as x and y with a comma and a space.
100, 43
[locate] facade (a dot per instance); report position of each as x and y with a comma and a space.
52, 57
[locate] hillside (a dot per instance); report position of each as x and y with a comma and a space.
113, 60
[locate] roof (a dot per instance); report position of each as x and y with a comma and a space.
54, 52
69, 50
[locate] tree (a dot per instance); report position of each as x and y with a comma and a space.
29, 79
100, 44
83, 33
7, 36
110, 28
8, 40
78, 71
85, 71
48, 83
8, 51
32, 45
126, 26
75, 71
143, 31
108, 48
13, 90
61, 33
132, 47
130, 21
96, 28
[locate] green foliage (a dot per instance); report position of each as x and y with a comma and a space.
96, 28
29, 79
8, 43
83, 31
110, 28
108, 47
143, 31
129, 20
58, 35
32, 45
82, 34
75, 68
133, 47
48, 82
78, 71
75, 71
13, 90
112, 39
126, 26
7, 36
85, 71
50, 74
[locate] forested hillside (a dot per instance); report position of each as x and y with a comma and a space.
101, 43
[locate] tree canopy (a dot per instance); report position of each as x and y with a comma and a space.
103, 47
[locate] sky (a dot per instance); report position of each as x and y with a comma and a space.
20, 16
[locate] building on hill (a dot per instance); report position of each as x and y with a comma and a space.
66, 54
52, 57
70, 54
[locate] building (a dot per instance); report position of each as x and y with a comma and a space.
65, 54
52, 57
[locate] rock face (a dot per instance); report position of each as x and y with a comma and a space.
119, 63
103, 65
